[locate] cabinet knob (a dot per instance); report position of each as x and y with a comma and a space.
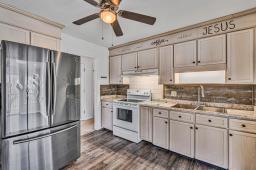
194, 62
191, 127
180, 116
135, 67
229, 78
138, 66
196, 128
209, 120
230, 134
165, 122
171, 80
243, 125
199, 61
159, 113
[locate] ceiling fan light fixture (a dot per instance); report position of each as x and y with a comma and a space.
108, 16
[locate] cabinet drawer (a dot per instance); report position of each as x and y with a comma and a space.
160, 113
212, 121
107, 104
242, 125
185, 117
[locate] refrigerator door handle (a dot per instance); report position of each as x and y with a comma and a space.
43, 136
54, 88
48, 89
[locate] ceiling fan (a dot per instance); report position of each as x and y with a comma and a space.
109, 12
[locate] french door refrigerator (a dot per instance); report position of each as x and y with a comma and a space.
40, 108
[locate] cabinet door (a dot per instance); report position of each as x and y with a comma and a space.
146, 123
107, 118
129, 62
211, 145
212, 50
182, 138
185, 54
166, 65
161, 132
115, 71
240, 57
14, 34
44, 41
148, 59
242, 151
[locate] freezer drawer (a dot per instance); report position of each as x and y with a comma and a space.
46, 150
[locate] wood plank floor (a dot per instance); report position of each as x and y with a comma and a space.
101, 150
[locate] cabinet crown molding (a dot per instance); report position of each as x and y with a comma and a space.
28, 14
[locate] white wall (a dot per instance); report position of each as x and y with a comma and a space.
73, 45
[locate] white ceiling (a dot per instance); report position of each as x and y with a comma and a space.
170, 14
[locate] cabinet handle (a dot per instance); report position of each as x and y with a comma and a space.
191, 127
159, 113
194, 62
229, 78
209, 120
230, 134
135, 67
196, 128
243, 125
171, 80
111, 111
165, 122
138, 66
180, 116
199, 61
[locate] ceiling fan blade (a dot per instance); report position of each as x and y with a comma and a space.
117, 29
116, 2
137, 17
86, 19
92, 2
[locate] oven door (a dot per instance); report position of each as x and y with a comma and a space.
126, 117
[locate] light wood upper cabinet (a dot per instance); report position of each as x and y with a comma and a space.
242, 151
166, 65
212, 145
115, 71
146, 124
148, 59
240, 51
129, 62
182, 138
44, 41
185, 54
161, 132
14, 34
212, 50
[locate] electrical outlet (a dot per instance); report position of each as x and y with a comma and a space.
173, 93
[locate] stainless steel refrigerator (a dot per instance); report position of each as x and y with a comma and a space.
40, 108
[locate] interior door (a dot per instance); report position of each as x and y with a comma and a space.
38, 88
14, 88
66, 88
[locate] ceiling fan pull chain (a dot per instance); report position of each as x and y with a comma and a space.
102, 33
112, 43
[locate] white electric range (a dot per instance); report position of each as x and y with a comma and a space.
126, 114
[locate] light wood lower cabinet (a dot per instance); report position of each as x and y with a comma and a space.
212, 145
242, 151
161, 132
146, 124
182, 138
107, 118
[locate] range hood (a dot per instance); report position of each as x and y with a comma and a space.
141, 72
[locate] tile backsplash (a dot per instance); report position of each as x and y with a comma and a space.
113, 89
230, 94
146, 82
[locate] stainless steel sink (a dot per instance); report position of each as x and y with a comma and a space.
185, 106
212, 109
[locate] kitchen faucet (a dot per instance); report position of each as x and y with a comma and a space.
200, 94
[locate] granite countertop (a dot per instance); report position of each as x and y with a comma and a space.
112, 98
231, 111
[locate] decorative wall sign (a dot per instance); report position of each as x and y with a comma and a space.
219, 27
184, 35
159, 42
